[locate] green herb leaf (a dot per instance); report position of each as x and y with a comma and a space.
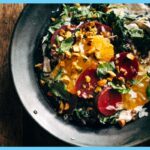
120, 89
58, 89
104, 68
107, 120
148, 92
136, 33
65, 45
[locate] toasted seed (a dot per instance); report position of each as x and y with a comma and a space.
130, 56
53, 19
84, 86
102, 82
65, 79
60, 38
87, 79
68, 54
76, 48
98, 89
42, 82
67, 106
68, 34
39, 65
111, 73
61, 106
78, 92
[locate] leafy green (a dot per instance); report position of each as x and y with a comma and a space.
148, 92
135, 32
103, 69
120, 89
58, 89
56, 26
65, 45
107, 120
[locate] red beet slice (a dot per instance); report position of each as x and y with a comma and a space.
65, 28
107, 100
128, 68
86, 89
98, 25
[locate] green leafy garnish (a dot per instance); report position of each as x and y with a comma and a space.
107, 120
65, 45
120, 89
148, 92
58, 89
135, 32
104, 68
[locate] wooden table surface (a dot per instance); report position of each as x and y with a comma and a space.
16, 126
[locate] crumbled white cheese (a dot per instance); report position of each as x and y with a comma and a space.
133, 94
143, 113
125, 115
110, 107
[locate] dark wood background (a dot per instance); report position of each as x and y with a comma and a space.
16, 126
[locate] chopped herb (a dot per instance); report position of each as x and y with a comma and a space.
120, 89
104, 68
65, 45
148, 92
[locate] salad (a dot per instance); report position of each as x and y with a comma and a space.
94, 63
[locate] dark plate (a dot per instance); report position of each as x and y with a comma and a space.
28, 32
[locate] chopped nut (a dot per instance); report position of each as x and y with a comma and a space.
68, 54
76, 66
67, 106
98, 89
76, 48
109, 78
61, 107
53, 19
121, 79
122, 122
54, 46
62, 32
62, 64
39, 65
65, 79
112, 73
78, 92
60, 38
102, 82
76, 54
42, 82
90, 96
84, 86
123, 70
130, 56
90, 108
68, 34
87, 79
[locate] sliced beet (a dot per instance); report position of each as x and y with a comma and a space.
128, 68
65, 28
107, 101
86, 89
